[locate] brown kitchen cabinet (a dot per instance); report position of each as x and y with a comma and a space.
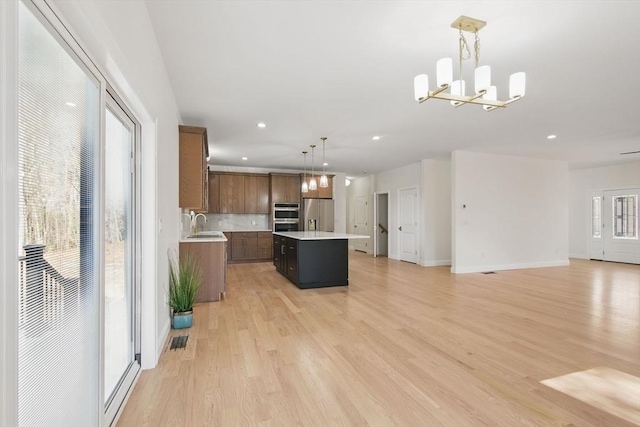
214, 193
245, 246
319, 193
285, 188
256, 194
265, 245
213, 261
235, 193
232, 193
193, 170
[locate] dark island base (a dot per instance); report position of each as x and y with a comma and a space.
312, 263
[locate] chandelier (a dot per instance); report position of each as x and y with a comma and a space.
485, 94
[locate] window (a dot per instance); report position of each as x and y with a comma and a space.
596, 213
625, 218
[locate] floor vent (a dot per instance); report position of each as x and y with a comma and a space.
489, 272
179, 342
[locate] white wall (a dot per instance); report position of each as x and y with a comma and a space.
516, 213
436, 206
119, 38
392, 181
581, 183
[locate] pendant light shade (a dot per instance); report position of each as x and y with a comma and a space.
457, 88
420, 86
305, 186
482, 78
517, 85
313, 185
324, 181
444, 72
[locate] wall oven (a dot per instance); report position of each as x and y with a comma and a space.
286, 216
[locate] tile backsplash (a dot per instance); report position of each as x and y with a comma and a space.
239, 222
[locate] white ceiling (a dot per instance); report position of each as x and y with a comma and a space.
344, 69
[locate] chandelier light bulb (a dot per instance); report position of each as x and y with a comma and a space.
482, 78
490, 95
517, 83
457, 88
444, 72
421, 87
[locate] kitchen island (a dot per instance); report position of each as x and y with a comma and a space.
313, 259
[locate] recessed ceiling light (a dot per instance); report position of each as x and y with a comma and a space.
245, 158
71, 104
262, 125
552, 137
375, 138
325, 164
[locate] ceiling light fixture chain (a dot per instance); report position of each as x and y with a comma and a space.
485, 93
476, 48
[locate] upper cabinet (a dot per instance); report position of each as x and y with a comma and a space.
194, 185
256, 194
320, 192
238, 193
285, 188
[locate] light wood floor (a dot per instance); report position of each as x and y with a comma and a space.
402, 345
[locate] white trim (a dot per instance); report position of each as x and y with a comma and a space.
436, 263
520, 266
126, 398
164, 334
578, 256
8, 213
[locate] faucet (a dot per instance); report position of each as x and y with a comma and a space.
194, 221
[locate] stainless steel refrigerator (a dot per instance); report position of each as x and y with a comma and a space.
318, 215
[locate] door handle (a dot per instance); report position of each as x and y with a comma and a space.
400, 228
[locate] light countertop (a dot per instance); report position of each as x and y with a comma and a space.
205, 237
319, 235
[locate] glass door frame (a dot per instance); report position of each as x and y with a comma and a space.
113, 403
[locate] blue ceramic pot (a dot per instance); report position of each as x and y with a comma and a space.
182, 320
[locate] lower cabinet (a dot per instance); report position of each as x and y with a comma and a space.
212, 257
249, 246
285, 256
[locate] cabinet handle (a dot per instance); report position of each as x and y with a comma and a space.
282, 249
291, 247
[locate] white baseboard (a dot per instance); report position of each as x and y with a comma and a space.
579, 256
483, 268
436, 263
162, 339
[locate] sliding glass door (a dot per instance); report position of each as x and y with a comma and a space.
78, 345
59, 141
120, 364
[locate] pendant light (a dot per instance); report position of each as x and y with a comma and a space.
305, 186
324, 181
313, 185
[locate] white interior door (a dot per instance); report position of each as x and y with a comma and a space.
408, 215
620, 226
362, 223
596, 248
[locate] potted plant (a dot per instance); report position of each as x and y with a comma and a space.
185, 277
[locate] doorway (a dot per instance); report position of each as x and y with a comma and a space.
381, 221
361, 223
613, 232
620, 226
408, 216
